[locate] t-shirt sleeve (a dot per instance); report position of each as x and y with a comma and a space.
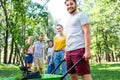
84, 19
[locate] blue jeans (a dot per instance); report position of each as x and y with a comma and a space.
58, 56
51, 66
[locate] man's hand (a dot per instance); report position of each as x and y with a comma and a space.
65, 57
26, 55
51, 61
46, 60
87, 56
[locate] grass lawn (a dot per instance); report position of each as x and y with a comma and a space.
9, 70
103, 71
106, 71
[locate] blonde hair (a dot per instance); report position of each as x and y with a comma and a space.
30, 37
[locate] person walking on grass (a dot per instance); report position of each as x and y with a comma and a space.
77, 42
49, 52
39, 51
29, 51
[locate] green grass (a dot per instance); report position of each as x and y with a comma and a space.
104, 71
9, 70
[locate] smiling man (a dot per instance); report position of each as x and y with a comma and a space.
77, 42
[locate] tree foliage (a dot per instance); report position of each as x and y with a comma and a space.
105, 26
20, 19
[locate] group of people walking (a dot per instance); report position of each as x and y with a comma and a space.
72, 46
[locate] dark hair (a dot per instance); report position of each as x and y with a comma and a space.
68, 0
59, 25
50, 41
41, 35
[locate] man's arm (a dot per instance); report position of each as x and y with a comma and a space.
45, 52
86, 31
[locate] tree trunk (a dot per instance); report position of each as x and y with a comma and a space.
18, 57
99, 58
0, 47
14, 56
0, 54
108, 57
3, 4
118, 58
112, 57
6, 47
96, 58
11, 53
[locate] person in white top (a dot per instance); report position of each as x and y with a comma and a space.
49, 52
39, 52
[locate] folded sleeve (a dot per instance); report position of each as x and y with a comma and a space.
84, 19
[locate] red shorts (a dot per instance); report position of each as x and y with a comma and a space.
72, 57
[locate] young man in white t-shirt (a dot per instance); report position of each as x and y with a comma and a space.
39, 51
77, 42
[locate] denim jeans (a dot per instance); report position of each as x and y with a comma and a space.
58, 56
51, 66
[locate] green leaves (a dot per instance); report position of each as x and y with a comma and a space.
104, 20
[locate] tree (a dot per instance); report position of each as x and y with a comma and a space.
20, 19
104, 19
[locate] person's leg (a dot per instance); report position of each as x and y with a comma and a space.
82, 68
35, 69
27, 61
30, 61
69, 62
64, 67
74, 76
40, 65
52, 65
29, 66
86, 77
48, 68
40, 70
57, 61
35, 64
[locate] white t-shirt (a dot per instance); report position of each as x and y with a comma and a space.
49, 51
39, 49
74, 34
